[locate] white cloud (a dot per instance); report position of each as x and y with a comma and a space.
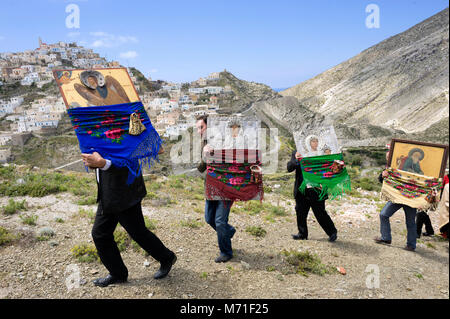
128, 55
153, 71
108, 40
73, 34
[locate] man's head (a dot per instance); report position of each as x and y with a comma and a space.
201, 124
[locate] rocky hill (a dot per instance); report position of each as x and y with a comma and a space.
244, 93
401, 83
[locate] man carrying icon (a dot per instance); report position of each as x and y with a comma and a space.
310, 199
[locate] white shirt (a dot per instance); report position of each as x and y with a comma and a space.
104, 168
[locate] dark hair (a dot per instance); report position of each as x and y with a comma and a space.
203, 118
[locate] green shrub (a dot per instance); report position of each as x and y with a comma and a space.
191, 223
305, 262
42, 183
84, 213
151, 195
256, 231
150, 224
356, 160
13, 207
5, 236
91, 200
122, 239
29, 219
85, 253
277, 210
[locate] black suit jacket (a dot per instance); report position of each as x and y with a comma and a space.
114, 194
292, 165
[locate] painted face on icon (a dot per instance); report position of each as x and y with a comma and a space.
235, 130
92, 80
314, 143
416, 156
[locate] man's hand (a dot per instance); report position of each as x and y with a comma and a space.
385, 174
94, 160
298, 155
161, 150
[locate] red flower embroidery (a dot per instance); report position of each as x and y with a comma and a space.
89, 132
328, 174
236, 180
114, 133
76, 127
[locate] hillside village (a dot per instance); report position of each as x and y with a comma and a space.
172, 107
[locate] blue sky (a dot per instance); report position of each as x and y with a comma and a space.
280, 43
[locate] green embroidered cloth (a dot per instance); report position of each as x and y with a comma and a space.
327, 174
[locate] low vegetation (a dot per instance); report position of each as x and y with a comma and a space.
85, 253
6, 236
256, 231
13, 207
305, 263
29, 219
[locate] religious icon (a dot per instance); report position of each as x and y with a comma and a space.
418, 157
316, 141
96, 87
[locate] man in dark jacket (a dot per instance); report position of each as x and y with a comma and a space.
306, 201
121, 203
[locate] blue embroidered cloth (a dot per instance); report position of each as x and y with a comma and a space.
105, 129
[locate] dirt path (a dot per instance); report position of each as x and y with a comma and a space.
38, 269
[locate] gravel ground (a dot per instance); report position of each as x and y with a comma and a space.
40, 269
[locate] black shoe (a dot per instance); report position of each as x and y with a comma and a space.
378, 240
222, 258
108, 280
409, 248
333, 237
165, 268
427, 234
299, 237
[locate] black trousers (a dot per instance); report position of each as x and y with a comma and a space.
421, 219
133, 222
303, 204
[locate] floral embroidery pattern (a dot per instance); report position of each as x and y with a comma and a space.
111, 125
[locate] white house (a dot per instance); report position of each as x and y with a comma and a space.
197, 90
5, 139
158, 103
214, 89
30, 78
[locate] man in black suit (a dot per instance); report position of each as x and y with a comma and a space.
306, 201
121, 203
